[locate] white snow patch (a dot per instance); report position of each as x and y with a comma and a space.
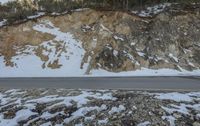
182, 108
69, 59
185, 100
80, 100
171, 120
145, 72
134, 107
118, 38
81, 112
81, 9
117, 109
46, 124
47, 115
173, 96
130, 112
173, 57
39, 14
190, 63
151, 11
15, 92
198, 116
146, 123
178, 97
80, 124
20, 115
103, 121
90, 118
115, 53
2, 23
141, 54
133, 43
5, 101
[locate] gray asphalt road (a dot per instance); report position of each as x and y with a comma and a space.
132, 83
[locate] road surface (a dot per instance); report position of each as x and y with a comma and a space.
130, 83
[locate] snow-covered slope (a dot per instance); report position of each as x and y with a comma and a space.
85, 44
28, 64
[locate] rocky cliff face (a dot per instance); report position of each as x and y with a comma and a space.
118, 41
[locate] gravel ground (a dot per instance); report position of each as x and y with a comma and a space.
59, 107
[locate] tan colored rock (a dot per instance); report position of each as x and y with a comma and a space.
158, 38
122, 29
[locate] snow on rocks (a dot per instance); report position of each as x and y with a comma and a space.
141, 54
178, 97
83, 111
171, 120
2, 23
39, 14
20, 115
117, 109
173, 57
91, 107
63, 52
46, 124
103, 121
115, 53
180, 109
79, 99
198, 116
187, 104
118, 38
151, 11
191, 64
64, 55
146, 123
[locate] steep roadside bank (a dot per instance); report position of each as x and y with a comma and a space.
107, 40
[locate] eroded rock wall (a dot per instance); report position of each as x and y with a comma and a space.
118, 41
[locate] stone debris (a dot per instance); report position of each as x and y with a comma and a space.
98, 107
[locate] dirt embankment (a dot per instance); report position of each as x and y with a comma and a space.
117, 41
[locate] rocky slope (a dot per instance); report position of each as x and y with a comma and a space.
49, 107
113, 41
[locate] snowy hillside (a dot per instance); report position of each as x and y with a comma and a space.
67, 56
97, 43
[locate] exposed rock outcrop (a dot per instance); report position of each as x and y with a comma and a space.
118, 41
